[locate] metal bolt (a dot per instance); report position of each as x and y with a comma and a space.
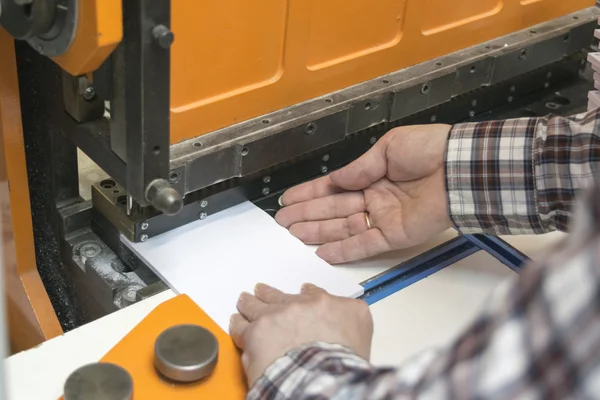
163, 36
266, 191
89, 93
267, 179
510, 99
549, 75
324, 169
203, 203
145, 226
474, 102
90, 250
433, 118
547, 85
425, 88
40, 49
471, 113
310, 128
325, 158
203, 216
372, 140
513, 88
144, 237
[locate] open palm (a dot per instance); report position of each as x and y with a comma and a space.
399, 183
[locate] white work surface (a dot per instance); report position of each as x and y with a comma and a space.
428, 313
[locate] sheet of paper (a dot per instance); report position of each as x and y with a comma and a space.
214, 260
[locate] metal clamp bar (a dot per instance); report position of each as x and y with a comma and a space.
147, 124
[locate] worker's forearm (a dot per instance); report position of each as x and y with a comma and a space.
333, 372
520, 176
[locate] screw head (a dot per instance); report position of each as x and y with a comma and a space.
203, 216
433, 118
145, 226
471, 113
510, 99
144, 237
372, 140
204, 203
546, 85
89, 93
163, 36
267, 179
324, 169
474, 102
90, 250
266, 191
310, 128
513, 88
325, 158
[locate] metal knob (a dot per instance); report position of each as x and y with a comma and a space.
99, 381
186, 353
164, 197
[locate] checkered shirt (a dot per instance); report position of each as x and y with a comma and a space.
539, 334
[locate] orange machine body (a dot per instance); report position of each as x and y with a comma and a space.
236, 60
31, 317
135, 353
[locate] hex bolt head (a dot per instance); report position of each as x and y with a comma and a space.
163, 36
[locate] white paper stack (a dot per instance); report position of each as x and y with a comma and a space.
214, 260
594, 59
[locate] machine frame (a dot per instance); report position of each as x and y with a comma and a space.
86, 270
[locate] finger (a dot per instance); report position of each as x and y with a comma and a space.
237, 329
364, 245
311, 289
316, 188
269, 295
319, 232
366, 170
335, 206
250, 307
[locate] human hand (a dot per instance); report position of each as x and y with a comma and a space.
399, 182
271, 323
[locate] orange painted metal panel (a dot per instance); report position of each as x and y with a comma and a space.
99, 31
31, 317
235, 60
135, 353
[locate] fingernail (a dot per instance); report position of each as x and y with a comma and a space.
243, 297
280, 201
307, 286
259, 287
231, 318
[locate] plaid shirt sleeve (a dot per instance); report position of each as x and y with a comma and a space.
537, 338
520, 176
539, 335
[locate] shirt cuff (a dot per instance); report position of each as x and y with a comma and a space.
289, 375
490, 178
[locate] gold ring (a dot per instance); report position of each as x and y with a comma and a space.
368, 220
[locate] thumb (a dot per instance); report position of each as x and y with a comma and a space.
364, 171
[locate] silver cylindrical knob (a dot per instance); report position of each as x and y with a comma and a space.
186, 353
99, 381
